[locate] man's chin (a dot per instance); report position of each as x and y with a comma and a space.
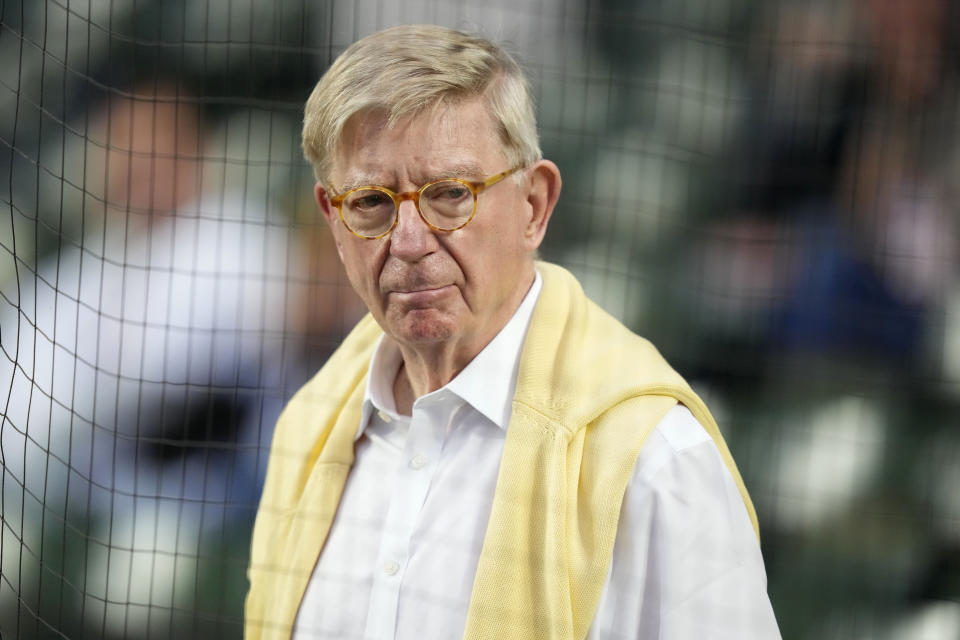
423, 326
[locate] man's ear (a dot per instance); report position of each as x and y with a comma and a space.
543, 191
323, 203
329, 212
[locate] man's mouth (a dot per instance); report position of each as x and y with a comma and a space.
420, 289
421, 295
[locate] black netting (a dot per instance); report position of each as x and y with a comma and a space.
767, 190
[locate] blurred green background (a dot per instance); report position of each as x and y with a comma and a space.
766, 190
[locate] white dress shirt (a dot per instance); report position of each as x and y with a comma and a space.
403, 550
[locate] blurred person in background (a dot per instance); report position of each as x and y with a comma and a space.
149, 364
901, 170
488, 454
847, 241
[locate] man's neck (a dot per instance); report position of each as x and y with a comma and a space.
423, 370
403, 394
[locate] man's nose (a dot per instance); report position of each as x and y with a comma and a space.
411, 239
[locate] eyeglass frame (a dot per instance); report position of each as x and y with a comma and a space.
476, 187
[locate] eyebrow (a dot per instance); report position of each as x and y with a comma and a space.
464, 171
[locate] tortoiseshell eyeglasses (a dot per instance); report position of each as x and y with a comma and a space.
445, 205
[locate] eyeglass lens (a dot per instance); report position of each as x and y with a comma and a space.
447, 204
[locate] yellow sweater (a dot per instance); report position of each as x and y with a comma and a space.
588, 394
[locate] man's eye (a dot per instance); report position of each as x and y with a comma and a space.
369, 200
448, 191
455, 193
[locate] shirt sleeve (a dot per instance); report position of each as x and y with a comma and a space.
686, 562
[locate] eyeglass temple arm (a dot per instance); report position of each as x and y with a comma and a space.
494, 179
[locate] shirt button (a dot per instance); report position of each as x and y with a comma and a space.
390, 567
418, 461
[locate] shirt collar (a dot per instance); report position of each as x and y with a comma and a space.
481, 383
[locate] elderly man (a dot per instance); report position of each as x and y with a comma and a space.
488, 454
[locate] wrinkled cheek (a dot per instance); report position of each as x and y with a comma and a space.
360, 281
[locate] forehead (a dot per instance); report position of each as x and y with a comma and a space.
449, 139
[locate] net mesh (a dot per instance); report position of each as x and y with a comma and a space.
767, 190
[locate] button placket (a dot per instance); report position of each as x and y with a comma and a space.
424, 441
